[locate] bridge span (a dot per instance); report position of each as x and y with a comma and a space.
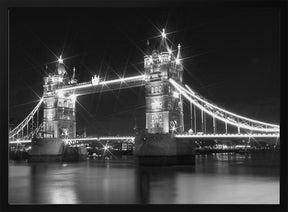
165, 93
131, 139
96, 85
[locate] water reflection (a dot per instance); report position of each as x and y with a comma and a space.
218, 178
157, 184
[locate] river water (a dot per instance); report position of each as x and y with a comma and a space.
222, 178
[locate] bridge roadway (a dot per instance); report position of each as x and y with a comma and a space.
271, 138
267, 137
104, 86
227, 136
103, 138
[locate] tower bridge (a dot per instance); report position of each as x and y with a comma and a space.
165, 93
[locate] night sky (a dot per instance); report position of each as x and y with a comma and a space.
231, 57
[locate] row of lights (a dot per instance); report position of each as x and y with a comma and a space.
185, 93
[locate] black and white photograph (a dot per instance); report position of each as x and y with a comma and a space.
144, 105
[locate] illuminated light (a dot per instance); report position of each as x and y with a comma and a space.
73, 97
163, 34
123, 79
173, 128
156, 104
20, 141
227, 136
177, 60
60, 60
106, 147
184, 92
225, 111
139, 77
103, 138
95, 80
175, 94
20, 126
169, 51
60, 94
116, 138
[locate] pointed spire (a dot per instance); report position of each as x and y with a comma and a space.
163, 43
179, 52
163, 34
60, 66
73, 76
46, 69
179, 57
147, 48
135, 123
60, 60
84, 133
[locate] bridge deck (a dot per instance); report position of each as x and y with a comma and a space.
104, 86
227, 136
266, 137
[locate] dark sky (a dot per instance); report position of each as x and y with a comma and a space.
232, 58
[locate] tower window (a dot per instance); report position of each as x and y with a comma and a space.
157, 104
60, 103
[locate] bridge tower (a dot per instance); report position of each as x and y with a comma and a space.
164, 111
59, 108
164, 106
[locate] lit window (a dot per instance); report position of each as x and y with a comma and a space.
175, 94
49, 103
156, 89
95, 80
152, 90
60, 103
156, 104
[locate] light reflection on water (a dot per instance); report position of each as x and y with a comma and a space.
215, 179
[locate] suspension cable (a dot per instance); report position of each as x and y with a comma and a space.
20, 126
227, 112
186, 94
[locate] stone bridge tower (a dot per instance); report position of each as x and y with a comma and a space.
164, 108
59, 108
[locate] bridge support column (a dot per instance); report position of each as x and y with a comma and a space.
164, 149
59, 120
164, 112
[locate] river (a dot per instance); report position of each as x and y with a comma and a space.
221, 178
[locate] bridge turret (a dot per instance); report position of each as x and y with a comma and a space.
59, 108
164, 109
73, 79
61, 68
